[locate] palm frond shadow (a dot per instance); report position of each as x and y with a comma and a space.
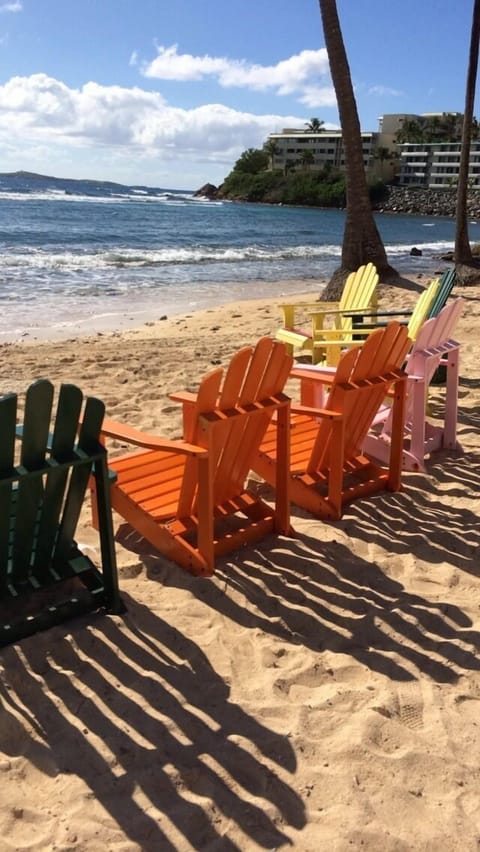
170, 724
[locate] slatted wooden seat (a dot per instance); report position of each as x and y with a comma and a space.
44, 576
328, 468
188, 497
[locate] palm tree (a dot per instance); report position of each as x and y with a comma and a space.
271, 149
307, 159
315, 125
361, 240
463, 251
383, 154
411, 131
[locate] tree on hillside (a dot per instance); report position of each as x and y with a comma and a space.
252, 160
361, 240
315, 125
463, 251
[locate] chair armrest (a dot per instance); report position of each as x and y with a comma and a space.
316, 304
297, 408
314, 373
369, 313
112, 429
349, 313
183, 396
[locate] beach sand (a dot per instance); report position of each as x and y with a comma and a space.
318, 693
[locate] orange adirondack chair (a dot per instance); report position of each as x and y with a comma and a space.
188, 497
328, 468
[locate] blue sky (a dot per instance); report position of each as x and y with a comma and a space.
170, 92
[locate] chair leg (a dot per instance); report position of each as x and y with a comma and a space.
451, 401
282, 472
103, 512
335, 478
396, 445
417, 435
205, 510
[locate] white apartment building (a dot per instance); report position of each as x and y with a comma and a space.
432, 165
326, 146
436, 164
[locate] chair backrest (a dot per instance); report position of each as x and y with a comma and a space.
360, 288
445, 288
421, 309
41, 497
427, 350
230, 415
363, 377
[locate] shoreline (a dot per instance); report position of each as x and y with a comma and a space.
118, 322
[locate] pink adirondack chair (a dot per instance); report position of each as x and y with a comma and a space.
432, 347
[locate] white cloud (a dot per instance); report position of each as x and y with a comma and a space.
15, 6
383, 91
316, 96
134, 122
298, 74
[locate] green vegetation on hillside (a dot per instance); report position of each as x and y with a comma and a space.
252, 179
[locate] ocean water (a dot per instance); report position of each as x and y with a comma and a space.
77, 255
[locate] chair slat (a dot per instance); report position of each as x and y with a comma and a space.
88, 442
66, 425
36, 425
8, 420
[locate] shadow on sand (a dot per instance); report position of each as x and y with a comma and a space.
168, 730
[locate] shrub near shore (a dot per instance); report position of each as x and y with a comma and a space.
325, 188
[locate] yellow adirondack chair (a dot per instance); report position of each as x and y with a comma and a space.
327, 466
359, 293
188, 497
329, 343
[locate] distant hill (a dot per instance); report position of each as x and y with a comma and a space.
30, 178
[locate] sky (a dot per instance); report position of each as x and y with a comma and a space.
169, 93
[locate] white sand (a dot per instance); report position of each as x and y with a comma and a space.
319, 693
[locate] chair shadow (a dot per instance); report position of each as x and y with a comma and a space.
326, 596
171, 731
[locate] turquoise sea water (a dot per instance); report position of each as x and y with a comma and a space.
73, 253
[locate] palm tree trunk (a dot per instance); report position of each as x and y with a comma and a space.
463, 252
361, 240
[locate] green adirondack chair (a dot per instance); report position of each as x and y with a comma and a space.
44, 576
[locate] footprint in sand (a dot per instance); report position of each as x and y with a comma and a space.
410, 705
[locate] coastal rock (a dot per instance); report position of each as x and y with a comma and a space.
416, 252
208, 190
